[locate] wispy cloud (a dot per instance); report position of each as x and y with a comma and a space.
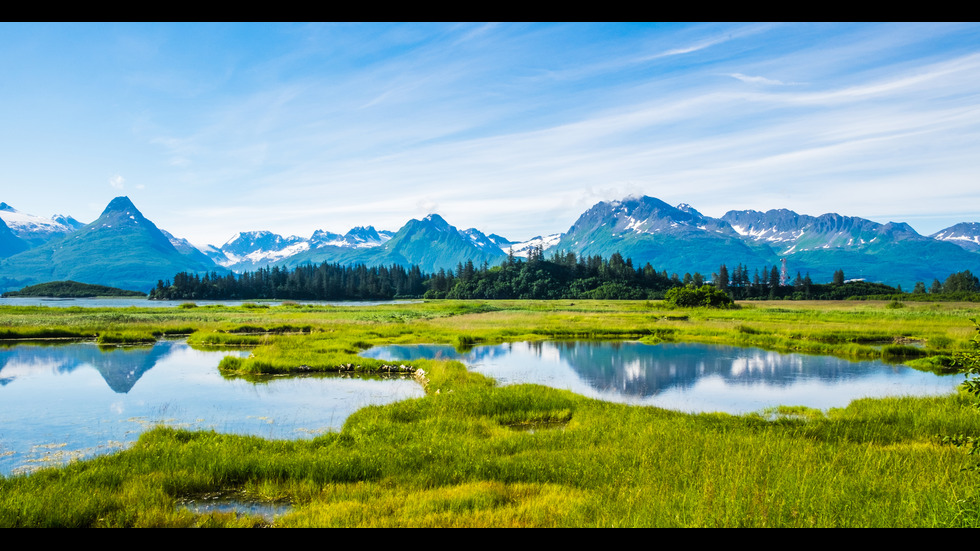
511, 128
761, 80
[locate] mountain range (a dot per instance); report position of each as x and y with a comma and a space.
124, 249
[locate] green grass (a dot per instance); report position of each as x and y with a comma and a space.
471, 453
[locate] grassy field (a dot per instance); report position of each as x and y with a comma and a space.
471, 453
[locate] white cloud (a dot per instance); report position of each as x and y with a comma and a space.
117, 181
758, 80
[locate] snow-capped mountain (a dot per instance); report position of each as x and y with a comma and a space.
258, 249
255, 249
964, 234
480, 240
37, 230
523, 248
788, 232
891, 252
433, 244
124, 249
682, 239
647, 229
360, 237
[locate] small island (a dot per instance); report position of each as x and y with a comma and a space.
71, 289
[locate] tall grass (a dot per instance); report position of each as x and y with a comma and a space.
471, 453
458, 459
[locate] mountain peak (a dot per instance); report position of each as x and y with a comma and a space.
120, 204
684, 207
436, 221
5, 206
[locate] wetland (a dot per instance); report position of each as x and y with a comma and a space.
456, 450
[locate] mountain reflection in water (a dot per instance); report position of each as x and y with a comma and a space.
686, 377
59, 402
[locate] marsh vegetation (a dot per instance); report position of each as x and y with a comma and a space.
472, 452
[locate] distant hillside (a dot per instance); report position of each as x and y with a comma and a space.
125, 250
71, 289
676, 239
120, 249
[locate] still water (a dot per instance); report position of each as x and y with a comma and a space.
686, 377
59, 402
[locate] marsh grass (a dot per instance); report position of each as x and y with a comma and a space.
471, 453
451, 459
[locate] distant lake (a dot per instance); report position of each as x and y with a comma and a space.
685, 376
63, 401
145, 303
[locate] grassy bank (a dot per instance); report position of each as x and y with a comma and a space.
471, 453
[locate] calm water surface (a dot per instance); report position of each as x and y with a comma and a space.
687, 377
58, 402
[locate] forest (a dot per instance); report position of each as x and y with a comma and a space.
563, 275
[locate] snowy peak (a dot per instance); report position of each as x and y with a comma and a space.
789, 232
246, 242
359, 237
964, 234
648, 215
479, 240
36, 230
323, 238
249, 250
365, 236
256, 249
523, 248
67, 221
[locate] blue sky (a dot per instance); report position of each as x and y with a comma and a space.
514, 129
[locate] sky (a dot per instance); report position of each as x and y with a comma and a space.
512, 128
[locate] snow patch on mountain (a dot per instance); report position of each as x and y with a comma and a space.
964, 234
523, 248
37, 228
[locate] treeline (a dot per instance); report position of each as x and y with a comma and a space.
768, 285
562, 276
959, 287
310, 282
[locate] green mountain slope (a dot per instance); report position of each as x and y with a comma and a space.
678, 240
431, 244
120, 249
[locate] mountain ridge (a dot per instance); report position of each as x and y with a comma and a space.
646, 229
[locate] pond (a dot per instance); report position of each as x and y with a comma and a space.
59, 402
685, 376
